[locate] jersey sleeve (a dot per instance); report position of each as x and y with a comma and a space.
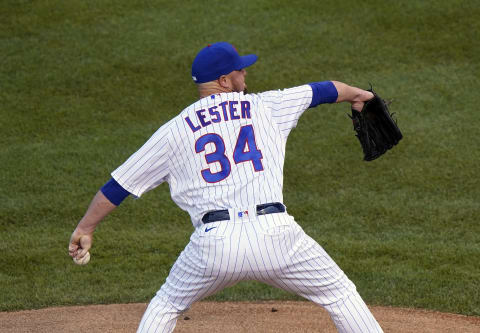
287, 105
148, 167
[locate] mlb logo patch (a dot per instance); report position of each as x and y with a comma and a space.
242, 214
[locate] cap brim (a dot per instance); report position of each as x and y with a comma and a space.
248, 60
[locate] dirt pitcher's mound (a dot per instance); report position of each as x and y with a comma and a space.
227, 317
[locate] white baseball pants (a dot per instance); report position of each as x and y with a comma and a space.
268, 248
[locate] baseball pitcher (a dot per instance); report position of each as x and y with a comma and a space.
223, 159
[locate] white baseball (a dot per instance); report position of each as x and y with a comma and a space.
82, 261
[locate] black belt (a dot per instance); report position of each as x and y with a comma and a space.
264, 209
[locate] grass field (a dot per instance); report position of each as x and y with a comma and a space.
84, 83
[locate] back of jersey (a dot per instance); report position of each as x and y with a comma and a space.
224, 151
230, 154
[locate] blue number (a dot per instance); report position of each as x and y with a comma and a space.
217, 156
246, 148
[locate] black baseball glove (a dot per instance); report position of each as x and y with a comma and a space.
375, 128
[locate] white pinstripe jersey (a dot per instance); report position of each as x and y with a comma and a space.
224, 151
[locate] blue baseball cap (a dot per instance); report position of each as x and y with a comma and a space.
218, 59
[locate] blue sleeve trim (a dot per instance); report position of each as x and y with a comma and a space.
323, 92
114, 192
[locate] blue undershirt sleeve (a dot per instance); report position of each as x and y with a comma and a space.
114, 192
323, 92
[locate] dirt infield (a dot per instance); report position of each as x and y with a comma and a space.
228, 317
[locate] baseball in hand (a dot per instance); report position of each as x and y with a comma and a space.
82, 261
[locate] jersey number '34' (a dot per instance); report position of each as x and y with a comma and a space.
245, 150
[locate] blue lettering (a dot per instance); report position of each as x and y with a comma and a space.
214, 113
192, 127
224, 109
245, 106
233, 109
201, 117
215, 116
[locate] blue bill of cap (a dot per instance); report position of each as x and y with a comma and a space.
248, 60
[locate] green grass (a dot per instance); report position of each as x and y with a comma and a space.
84, 83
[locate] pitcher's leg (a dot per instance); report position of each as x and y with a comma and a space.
351, 314
300, 265
185, 282
159, 317
209, 263
320, 279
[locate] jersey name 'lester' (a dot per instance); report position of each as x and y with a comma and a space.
234, 109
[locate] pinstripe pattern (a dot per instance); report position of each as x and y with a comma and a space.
195, 154
269, 248
169, 155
